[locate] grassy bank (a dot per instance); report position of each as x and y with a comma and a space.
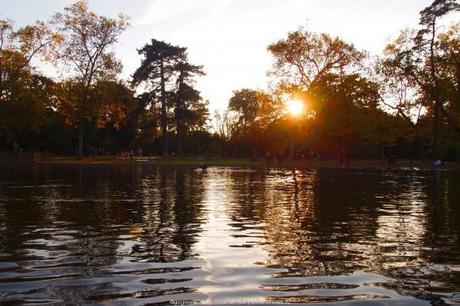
234, 162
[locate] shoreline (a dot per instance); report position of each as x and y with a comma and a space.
233, 162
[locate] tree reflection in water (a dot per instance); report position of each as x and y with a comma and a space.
144, 234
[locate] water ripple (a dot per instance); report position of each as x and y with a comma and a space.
146, 235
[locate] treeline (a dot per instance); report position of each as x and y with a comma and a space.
89, 110
402, 103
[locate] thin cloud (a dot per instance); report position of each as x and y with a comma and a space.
163, 10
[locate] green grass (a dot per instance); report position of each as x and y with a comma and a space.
241, 162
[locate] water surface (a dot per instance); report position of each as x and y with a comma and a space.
138, 235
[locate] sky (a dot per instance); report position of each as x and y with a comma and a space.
230, 37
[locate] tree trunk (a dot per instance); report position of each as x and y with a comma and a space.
436, 129
180, 140
82, 109
420, 148
436, 96
180, 129
81, 129
164, 115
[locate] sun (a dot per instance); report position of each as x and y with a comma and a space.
294, 107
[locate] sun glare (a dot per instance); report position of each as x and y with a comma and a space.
294, 107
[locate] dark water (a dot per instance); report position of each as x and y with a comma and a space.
121, 235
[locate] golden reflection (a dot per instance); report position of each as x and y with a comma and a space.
230, 243
290, 214
403, 219
234, 234
135, 230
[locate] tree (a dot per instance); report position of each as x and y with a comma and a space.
87, 38
223, 123
156, 70
111, 112
449, 72
19, 47
254, 111
23, 112
399, 95
416, 56
426, 38
114, 102
303, 58
345, 110
24, 94
245, 103
189, 109
317, 64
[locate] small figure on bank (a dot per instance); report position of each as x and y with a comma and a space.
268, 157
203, 164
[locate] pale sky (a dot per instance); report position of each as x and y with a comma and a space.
230, 37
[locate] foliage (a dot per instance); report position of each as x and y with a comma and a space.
406, 103
416, 59
157, 68
167, 77
86, 39
304, 57
253, 111
24, 94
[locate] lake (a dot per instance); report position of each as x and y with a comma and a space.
141, 234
